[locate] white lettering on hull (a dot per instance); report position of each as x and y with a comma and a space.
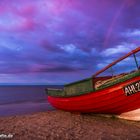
132, 88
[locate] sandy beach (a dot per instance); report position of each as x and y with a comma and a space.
60, 125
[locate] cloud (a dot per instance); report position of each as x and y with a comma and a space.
70, 48
48, 38
133, 33
55, 69
118, 49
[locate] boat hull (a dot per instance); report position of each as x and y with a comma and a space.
111, 100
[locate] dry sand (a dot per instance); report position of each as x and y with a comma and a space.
60, 125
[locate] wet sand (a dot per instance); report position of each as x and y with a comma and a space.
60, 125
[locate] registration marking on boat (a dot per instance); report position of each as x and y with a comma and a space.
132, 88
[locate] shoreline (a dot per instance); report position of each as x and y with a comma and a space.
24, 108
58, 124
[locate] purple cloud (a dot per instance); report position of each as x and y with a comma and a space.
61, 41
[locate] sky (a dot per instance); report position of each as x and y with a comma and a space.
60, 41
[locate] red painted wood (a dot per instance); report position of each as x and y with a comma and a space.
110, 100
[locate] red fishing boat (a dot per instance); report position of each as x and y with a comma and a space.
114, 89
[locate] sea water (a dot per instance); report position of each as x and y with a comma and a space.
24, 99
